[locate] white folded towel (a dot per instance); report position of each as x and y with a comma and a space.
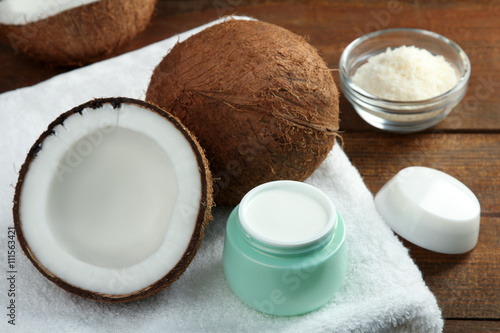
383, 290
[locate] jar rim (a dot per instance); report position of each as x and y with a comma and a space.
310, 242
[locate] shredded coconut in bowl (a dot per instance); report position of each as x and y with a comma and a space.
406, 73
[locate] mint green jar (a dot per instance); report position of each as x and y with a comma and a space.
276, 259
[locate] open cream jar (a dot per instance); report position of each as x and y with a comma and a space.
284, 251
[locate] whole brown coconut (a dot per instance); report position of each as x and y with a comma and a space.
259, 98
81, 35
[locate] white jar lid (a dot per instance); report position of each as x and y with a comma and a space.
431, 209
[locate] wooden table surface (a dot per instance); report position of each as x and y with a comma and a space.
465, 145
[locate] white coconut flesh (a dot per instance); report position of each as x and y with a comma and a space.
110, 202
20, 12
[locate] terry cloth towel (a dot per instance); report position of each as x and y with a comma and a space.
383, 290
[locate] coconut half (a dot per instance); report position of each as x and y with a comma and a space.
112, 200
72, 32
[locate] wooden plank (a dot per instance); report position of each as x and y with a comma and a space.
468, 326
466, 286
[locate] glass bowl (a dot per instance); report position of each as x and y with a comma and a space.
396, 116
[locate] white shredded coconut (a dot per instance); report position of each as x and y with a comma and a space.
406, 73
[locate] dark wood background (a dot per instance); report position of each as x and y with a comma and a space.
466, 144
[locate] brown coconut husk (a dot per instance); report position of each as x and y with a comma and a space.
203, 218
81, 35
259, 98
